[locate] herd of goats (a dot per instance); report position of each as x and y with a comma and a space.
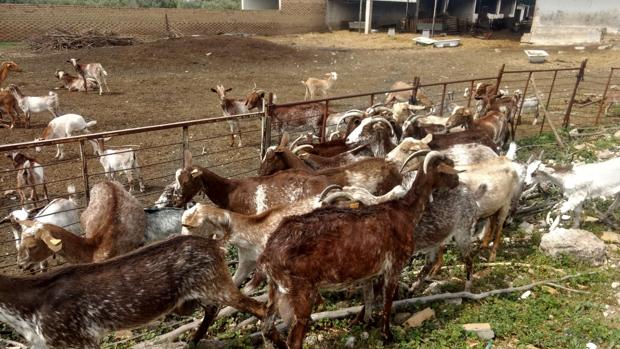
348, 212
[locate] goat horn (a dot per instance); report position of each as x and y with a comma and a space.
327, 190
415, 154
334, 196
347, 115
302, 147
412, 119
429, 157
292, 145
382, 120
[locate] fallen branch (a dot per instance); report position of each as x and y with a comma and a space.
566, 288
16, 344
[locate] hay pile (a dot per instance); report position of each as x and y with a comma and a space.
59, 40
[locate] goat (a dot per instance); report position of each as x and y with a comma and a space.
494, 124
378, 132
581, 182
30, 104
530, 104
30, 173
289, 118
5, 68
8, 105
162, 223
116, 160
257, 194
64, 126
315, 87
74, 306
90, 70
73, 83
230, 107
407, 96
341, 240
114, 223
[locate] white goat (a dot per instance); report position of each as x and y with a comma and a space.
579, 183
116, 160
64, 126
73, 83
530, 105
316, 87
30, 104
230, 107
91, 70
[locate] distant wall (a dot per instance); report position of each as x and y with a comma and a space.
568, 22
18, 22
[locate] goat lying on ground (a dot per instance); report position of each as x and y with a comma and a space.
117, 160
74, 306
5, 68
581, 182
73, 83
90, 71
114, 223
318, 87
30, 173
337, 247
30, 104
256, 194
64, 126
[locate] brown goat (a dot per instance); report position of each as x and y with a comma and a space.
495, 124
334, 247
5, 68
30, 173
74, 306
74, 83
8, 105
256, 194
114, 223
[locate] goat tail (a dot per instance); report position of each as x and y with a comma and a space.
511, 154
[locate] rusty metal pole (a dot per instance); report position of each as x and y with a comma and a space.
542, 124
324, 121
500, 75
471, 93
569, 108
604, 98
527, 84
84, 170
372, 100
414, 89
184, 144
443, 99
266, 124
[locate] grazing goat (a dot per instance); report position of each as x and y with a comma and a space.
581, 182
407, 96
291, 118
30, 104
5, 68
230, 107
114, 223
64, 126
341, 240
90, 70
117, 160
73, 83
30, 173
318, 87
74, 306
8, 105
256, 194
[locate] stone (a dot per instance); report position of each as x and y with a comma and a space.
591, 345
528, 228
580, 146
617, 134
577, 243
399, 318
498, 50
350, 343
604, 154
455, 301
364, 335
526, 294
418, 318
618, 297
610, 237
580, 48
615, 284
483, 330
612, 248
574, 132
604, 47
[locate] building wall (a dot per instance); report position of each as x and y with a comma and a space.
340, 12
568, 22
18, 22
384, 13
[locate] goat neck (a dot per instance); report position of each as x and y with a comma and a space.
427, 179
291, 160
215, 187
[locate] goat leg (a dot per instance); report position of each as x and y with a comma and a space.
210, 312
269, 330
365, 315
438, 261
303, 300
389, 288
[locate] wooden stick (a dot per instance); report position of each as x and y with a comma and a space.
547, 116
17, 344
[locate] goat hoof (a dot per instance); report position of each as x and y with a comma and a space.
387, 336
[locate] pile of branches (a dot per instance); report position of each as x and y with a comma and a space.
58, 40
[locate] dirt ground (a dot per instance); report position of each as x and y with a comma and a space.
169, 80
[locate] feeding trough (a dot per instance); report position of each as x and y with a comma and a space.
537, 56
421, 40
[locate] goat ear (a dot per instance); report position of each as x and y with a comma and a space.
228, 89
187, 158
213, 90
69, 61
284, 139
427, 139
51, 242
443, 168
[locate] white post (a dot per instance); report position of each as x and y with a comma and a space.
368, 19
434, 14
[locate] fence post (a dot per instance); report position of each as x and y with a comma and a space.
266, 125
604, 98
527, 84
84, 170
542, 124
372, 100
569, 108
184, 144
471, 93
323, 129
500, 74
443, 99
414, 90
